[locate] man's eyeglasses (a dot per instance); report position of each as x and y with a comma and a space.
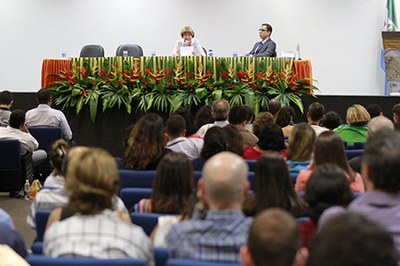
262, 30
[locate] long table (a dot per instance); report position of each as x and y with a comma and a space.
52, 66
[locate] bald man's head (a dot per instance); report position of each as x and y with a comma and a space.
225, 178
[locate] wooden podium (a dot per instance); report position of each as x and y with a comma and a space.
391, 44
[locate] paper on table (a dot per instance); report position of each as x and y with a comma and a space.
186, 50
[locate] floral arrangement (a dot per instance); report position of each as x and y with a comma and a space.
167, 83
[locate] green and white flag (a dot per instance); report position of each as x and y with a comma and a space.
391, 17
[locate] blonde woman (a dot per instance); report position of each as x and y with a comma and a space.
355, 130
188, 40
94, 230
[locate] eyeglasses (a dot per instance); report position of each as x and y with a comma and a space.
262, 30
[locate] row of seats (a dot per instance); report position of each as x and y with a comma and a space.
95, 50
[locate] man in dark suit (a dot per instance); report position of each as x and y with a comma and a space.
266, 47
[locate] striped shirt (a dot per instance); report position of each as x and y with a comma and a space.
218, 237
103, 236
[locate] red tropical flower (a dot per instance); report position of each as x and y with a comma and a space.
225, 74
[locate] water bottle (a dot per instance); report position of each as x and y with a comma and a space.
27, 186
125, 53
210, 52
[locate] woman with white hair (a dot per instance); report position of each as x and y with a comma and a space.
188, 40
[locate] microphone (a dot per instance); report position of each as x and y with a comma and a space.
298, 52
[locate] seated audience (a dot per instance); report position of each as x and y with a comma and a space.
273, 188
396, 116
331, 120
233, 139
329, 148
377, 123
88, 227
274, 239
219, 112
219, 236
270, 139
328, 186
44, 115
374, 110
284, 119
202, 117
238, 116
250, 118
315, 114
177, 142
188, 40
352, 240
146, 143
190, 127
381, 202
260, 121
6, 218
301, 145
59, 150
273, 106
11, 237
49, 199
214, 142
356, 128
6, 101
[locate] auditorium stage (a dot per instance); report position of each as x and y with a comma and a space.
109, 130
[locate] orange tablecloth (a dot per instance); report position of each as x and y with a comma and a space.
302, 68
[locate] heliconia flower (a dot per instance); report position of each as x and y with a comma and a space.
103, 73
72, 80
83, 72
145, 83
255, 87
169, 84
280, 74
119, 82
83, 92
241, 74
168, 71
225, 74
191, 85
232, 87
92, 82
148, 72
260, 75
189, 74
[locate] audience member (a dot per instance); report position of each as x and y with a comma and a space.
284, 119
44, 115
301, 145
11, 237
203, 117
190, 128
260, 121
146, 143
374, 110
274, 239
329, 148
6, 218
328, 186
59, 150
233, 139
274, 106
266, 47
352, 240
214, 142
219, 112
49, 199
377, 123
273, 187
172, 186
357, 119
396, 116
270, 139
250, 118
188, 40
177, 142
238, 116
6, 101
88, 227
381, 202
315, 114
224, 230
331, 120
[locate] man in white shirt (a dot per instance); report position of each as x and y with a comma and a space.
315, 114
44, 115
177, 142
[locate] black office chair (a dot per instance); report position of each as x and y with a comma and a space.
92, 50
12, 166
133, 50
205, 50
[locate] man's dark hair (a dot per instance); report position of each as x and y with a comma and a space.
316, 111
274, 106
396, 109
350, 239
220, 110
6, 97
175, 125
17, 118
374, 110
382, 156
238, 114
269, 27
331, 120
274, 238
43, 96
